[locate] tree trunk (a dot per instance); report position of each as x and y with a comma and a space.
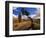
31, 20
19, 17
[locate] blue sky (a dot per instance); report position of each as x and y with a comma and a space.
30, 10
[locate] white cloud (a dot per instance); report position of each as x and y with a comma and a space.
32, 16
16, 16
24, 17
14, 8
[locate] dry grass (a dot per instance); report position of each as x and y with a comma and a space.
24, 25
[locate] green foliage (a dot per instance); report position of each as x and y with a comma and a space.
24, 12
